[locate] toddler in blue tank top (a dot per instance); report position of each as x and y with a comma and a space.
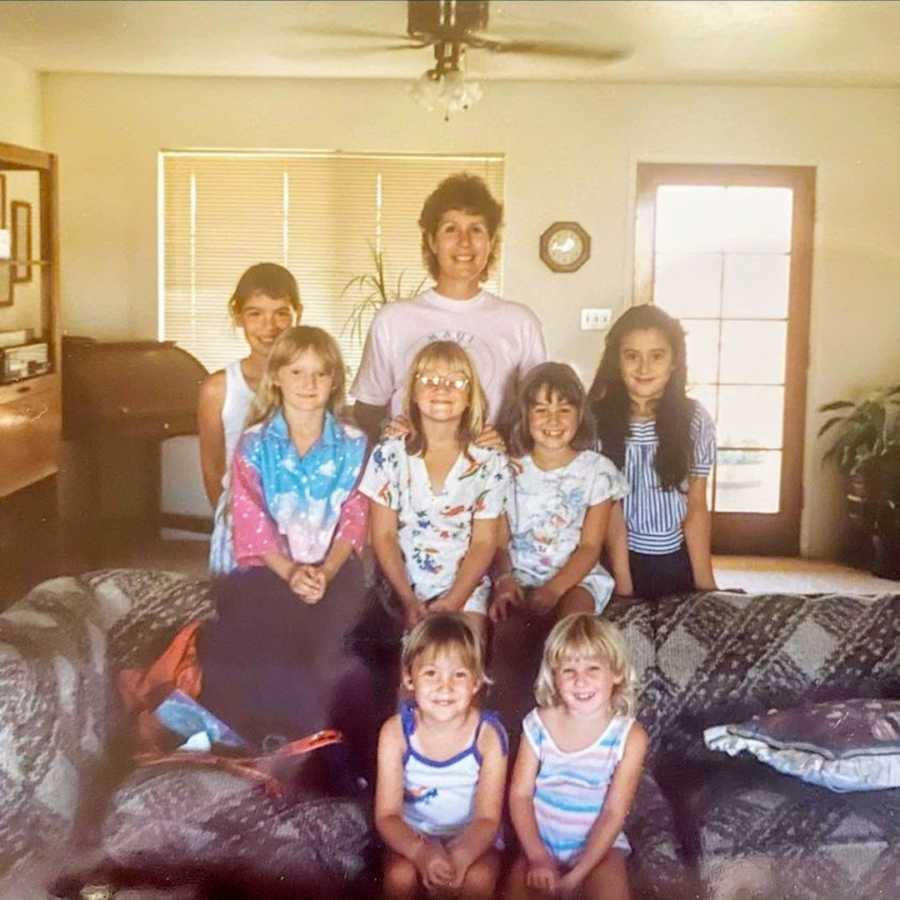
441, 769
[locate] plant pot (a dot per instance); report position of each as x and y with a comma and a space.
862, 510
886, 541
886, 556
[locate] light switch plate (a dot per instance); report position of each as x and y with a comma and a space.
595, 319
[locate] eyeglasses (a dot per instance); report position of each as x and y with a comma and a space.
459, 383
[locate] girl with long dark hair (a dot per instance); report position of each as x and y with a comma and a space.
665, 442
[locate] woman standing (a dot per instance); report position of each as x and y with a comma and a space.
460, 222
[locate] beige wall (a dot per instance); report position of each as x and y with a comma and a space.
572, 151
20, 123
20, 105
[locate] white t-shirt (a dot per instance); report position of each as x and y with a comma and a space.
546, 511
504, 340
435, 529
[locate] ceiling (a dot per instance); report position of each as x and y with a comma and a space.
852, 43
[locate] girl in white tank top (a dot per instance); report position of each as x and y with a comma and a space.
265, 302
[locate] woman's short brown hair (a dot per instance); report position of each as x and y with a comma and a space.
465, 192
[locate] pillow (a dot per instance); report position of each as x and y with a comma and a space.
848, 745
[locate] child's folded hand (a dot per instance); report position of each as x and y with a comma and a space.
434, 865
569, 884
543, 877
542, 599
308, 582
506, 594
413, 613
442, 605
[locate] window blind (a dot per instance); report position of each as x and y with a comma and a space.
319, 214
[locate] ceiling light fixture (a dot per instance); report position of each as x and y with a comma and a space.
445, 87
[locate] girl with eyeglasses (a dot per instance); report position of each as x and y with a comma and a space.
436, 497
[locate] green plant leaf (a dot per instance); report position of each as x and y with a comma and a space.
836, 404
829, 424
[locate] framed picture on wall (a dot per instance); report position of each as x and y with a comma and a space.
20, 222
6, 288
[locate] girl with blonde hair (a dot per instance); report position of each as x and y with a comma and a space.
274, 662
578, 767
437, 497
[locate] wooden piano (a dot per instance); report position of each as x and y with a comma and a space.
120, 400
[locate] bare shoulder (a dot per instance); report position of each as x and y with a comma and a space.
637, 740
213, 388
391, 734
492, 738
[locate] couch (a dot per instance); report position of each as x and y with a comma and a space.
75, 809
743, 829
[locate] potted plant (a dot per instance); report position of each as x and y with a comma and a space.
866, 450
374, 291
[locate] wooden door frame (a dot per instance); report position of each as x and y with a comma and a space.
737, 533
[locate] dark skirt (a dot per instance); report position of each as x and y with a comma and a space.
276, 668
658, 575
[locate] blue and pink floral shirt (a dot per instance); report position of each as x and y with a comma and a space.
434, 529
297, 505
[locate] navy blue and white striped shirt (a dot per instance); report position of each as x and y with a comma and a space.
654, 516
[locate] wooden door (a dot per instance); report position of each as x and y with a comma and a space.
728, 251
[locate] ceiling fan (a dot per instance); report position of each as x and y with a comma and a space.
452, 27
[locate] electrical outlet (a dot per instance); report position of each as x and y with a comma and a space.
595, 319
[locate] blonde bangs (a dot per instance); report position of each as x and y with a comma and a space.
288, 345
585, 636
455, 358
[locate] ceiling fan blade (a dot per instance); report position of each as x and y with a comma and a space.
555, 49
342, 31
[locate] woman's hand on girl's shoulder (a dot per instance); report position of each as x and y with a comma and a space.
397, 427
506, 594
490, 439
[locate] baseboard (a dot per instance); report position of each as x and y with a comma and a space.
179, 522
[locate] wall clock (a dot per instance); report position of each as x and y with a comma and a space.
565, 246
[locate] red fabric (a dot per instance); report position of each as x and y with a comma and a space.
142, 690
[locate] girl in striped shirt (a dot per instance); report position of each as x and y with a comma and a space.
578, 768
665, 442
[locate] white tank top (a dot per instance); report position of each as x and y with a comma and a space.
238, 398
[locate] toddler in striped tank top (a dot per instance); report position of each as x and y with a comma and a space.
578, 766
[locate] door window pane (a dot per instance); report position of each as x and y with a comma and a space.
688, 284
758, 220
753, 352
748, 481
750, 416
702, 340
689, 219
707, 396
755, 285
